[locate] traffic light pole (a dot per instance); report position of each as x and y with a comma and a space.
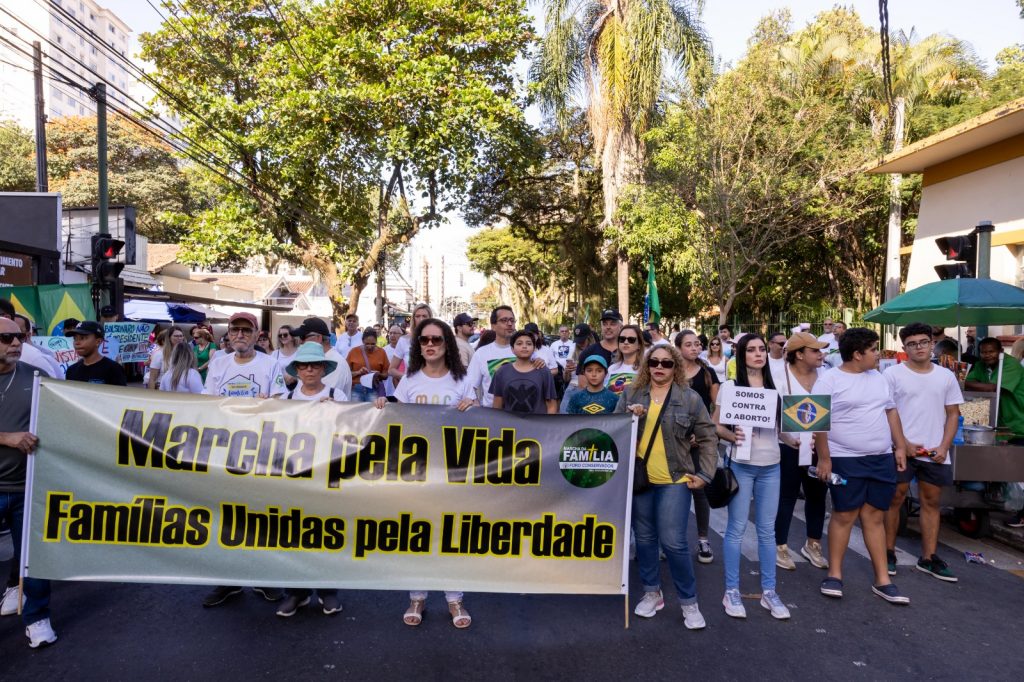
42, 184
984, 231
101, 142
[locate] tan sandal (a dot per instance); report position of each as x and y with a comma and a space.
414, 614
460, 616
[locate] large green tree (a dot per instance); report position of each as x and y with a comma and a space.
337, 116
616, 54
17, 158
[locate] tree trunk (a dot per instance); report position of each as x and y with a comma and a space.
895, 231
621, 160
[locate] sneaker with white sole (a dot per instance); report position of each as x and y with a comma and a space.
812, 552
330, 603
771, 601
650, 604
9, 605
890, 593
291, 604
704, 553
692, 618
782, 558
40, 633
733, 603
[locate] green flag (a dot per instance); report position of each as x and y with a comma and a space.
652, 312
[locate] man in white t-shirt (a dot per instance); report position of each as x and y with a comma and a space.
315, 330
564, 347
866, 448
777, 358
928, 399
350, 338
243, 372
828, 337
488, 360
833, 358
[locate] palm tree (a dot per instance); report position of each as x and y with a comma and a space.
615, 53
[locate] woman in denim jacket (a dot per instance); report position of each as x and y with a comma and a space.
661, 513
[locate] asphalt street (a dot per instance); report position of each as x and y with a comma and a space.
967, 630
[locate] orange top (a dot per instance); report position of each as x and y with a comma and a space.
378, 359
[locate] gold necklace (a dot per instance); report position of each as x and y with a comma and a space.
3, 396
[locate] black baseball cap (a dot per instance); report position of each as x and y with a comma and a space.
312, 325
87, 327
581, 331
463, 318
531, 327
611, 314
108, 311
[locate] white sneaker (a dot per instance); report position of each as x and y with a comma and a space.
692, 618
733, 603
650, 604
771, 601
9, 605
40, 633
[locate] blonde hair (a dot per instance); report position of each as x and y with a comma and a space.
643, 377
181, 361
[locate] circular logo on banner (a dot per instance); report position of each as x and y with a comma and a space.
588, 458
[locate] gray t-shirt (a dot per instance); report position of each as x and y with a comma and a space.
14, 417
524, 392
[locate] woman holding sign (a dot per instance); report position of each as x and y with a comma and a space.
662, 399
436, 376
756, 467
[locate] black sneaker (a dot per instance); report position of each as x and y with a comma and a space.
890, 560
936, 568
269, 593
291, 604
704, 553
330, 603
219, 595
890, 593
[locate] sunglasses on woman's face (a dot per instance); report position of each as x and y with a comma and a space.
284, 336
431, 340
627, 339
656, 362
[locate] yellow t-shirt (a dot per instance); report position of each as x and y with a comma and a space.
657, 463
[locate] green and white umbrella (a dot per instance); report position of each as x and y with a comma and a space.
954, 303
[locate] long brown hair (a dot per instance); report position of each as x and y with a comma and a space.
643, 377
640, 346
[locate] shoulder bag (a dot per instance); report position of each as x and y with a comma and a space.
723, 486
641, 480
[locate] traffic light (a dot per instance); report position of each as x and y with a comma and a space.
105, 270
963, 250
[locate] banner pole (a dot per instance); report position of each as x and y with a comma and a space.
625, 604
26, 521
628, 517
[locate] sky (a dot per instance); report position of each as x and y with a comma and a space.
989, 25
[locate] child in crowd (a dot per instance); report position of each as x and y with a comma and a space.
519, 387
596, 398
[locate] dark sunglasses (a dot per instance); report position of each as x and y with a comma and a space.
8, 338
284, 336
627, 339
655, 362
431, 340
308, 365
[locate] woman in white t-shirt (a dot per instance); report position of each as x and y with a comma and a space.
181, 375
436, 376
626, 360
160, 361
309, 366
716, 359
758, 477
287, 347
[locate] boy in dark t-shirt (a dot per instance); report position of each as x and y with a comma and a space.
520, 387
93, 368
596, 398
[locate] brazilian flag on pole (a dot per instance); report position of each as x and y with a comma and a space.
48, 305
652, 306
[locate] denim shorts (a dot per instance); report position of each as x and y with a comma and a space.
870, 479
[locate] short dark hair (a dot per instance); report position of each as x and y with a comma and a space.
856, 340
351, 315
724, 326
520, 334
369, 332
990, 341
915, 329
946, 347
494, 313
774, 334
7, 308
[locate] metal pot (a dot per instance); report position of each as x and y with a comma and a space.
978, 434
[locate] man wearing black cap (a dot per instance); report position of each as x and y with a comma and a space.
464, 325
108, 314
93, 368
611, 325
315, 330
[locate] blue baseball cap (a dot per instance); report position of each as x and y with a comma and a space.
599, 359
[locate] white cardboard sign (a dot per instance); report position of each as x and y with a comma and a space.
749, 408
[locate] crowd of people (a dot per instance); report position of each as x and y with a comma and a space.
886, 428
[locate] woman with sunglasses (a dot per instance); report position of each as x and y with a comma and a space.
626, 359
436, 376
759, 478
672, 417
705, 382
264, 344
287, 346
202, 348
714, 356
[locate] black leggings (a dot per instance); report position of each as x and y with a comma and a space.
792, 476
702, 510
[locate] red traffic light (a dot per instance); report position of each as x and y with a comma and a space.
104, 247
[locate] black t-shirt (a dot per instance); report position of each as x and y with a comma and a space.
106, 371
699, 383
593, 349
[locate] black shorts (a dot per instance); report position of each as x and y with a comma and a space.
926, 471
870, 479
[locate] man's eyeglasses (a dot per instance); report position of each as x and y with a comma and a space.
244, 331
913, 345
431, 340
9, 337
506, 320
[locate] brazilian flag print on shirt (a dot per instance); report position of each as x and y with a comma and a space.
620, 376
497, 363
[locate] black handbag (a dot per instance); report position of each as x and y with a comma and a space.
723, 486
641, 480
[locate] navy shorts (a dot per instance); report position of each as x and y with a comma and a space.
925, 471
869, 480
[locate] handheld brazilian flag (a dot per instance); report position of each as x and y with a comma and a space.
652, 306
806, 413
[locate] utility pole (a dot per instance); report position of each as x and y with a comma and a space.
426, 281
42, 185
441, 302
99, 92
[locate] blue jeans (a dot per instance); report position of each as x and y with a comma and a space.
761, 482
37, 591
660, 517
362, 394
